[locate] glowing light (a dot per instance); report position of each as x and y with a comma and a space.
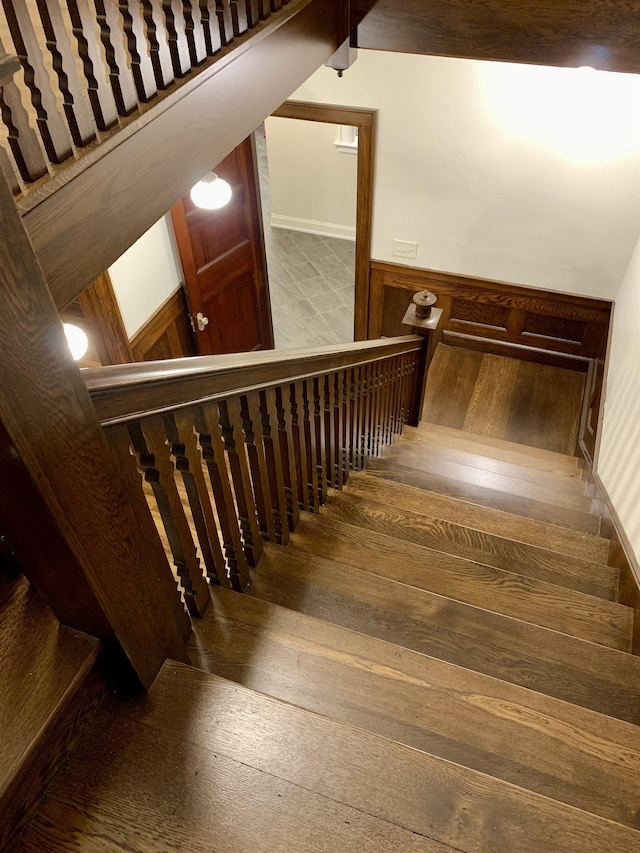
211, 193
77, 341
584, 114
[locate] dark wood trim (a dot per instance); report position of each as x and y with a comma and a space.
106, 328
171, 322
128, 393
85, 217
572, 32
366, 121
555, 328
52, 426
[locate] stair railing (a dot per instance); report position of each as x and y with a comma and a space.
233, 447
91, 66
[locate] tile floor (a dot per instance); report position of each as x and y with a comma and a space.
311, 278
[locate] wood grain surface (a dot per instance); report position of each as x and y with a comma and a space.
517, 595
519, 529
511, 733
467, 542
260, 762
561, 517
581, 672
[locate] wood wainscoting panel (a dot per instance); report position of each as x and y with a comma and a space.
564, 330
167, 334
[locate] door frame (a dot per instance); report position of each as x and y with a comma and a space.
365, 120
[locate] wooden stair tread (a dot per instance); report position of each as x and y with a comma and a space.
508, 732
515, 527
475, 545
474, 476
42, 667
489, 444
568, 485
271, 776
574, 670
494, 498
519, 597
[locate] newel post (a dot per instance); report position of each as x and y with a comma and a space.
97, 560
423, 317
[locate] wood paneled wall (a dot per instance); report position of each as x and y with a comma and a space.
539, 325
167, 334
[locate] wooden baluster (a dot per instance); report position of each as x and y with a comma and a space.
8, 166
177, 33
212, 446
239, 17
252, 12
409, 382
23, 141
311, 445
86, 30
339, 399
234, 445
287, 453
264, 9
386, 401
225, 21
377, 404
158, 39
347, 392
336, 441
118, 59
195, 32
276, 5
318, 385
210, 25
76, 106
141, 65
156, 465
297, 427
396, 372
404, 380
188, 461
275, 463
329, 430
366, 414
356, 444
252, 427
42, 87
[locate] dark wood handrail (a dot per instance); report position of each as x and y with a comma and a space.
129, 392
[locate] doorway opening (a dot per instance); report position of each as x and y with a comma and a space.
315, 166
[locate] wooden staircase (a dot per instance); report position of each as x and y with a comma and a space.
436, 662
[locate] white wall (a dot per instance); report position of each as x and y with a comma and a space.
313, 185
146, 275
523, 174
619, 458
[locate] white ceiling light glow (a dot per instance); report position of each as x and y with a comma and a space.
211, 193
77, 341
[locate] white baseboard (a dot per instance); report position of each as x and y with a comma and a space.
310, 226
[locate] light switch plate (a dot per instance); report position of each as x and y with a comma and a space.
405, 249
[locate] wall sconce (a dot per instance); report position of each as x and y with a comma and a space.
77, 341
211, 193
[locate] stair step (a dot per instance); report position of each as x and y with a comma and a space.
471, 544
562, 540
452, 456
475, 477
494, 448
44, 668
528, 599
587, 674
208, 765
513, 734
391, 469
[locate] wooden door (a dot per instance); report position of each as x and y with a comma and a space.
224, 263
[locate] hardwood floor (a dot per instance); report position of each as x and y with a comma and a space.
506, 398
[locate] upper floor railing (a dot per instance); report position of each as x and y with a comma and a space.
88, 67
232, 447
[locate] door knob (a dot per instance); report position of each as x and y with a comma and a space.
202, 321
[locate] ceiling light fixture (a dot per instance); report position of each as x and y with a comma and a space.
211, 193
77, 341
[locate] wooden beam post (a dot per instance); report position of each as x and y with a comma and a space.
102, 313
52, 424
